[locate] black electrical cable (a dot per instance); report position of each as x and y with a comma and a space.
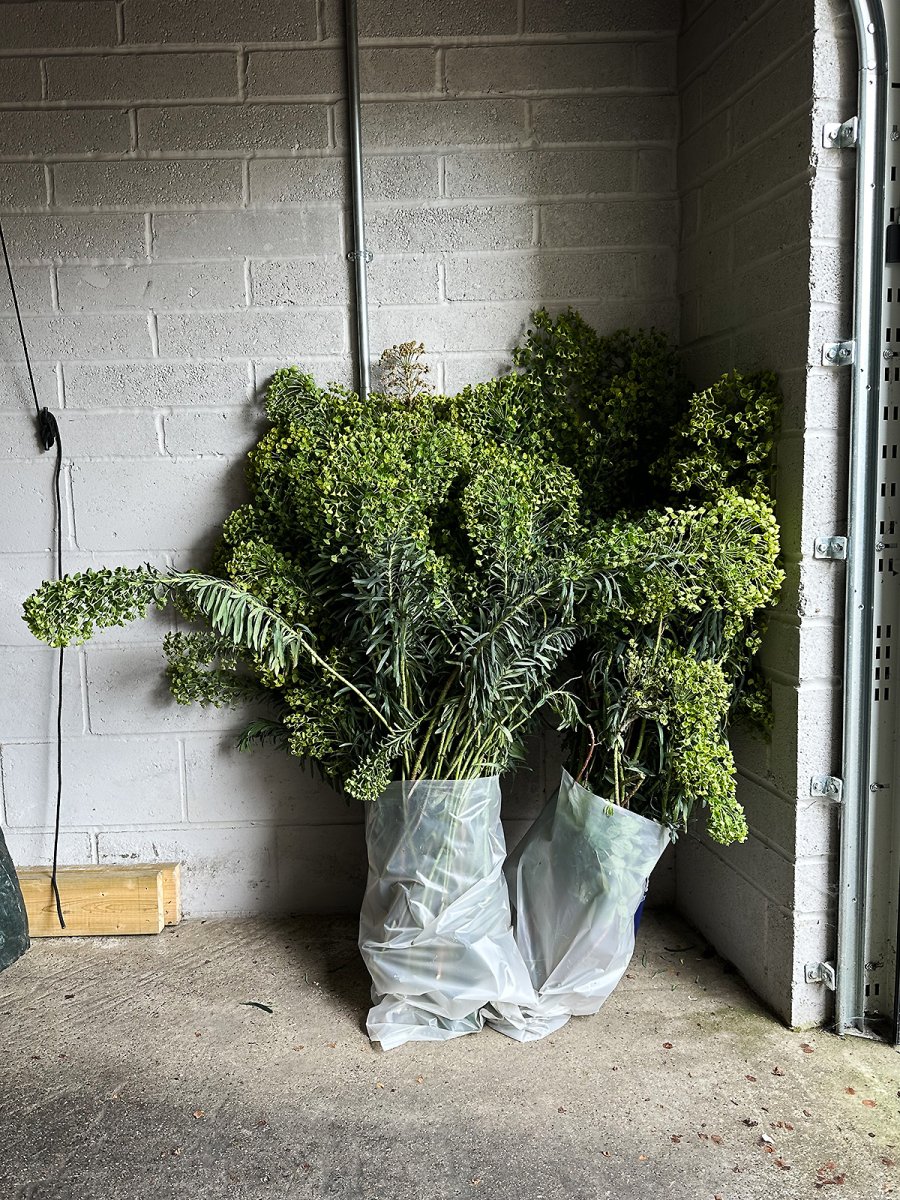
49, 420
48, 431
15, 300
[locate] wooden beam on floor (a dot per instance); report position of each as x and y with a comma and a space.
98, 901
171, 884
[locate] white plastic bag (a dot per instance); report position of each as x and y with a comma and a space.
435, 927
576, 880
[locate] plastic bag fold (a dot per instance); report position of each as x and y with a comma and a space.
435, 926
575, 882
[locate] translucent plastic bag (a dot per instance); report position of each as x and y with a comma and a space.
435, 927
576, 880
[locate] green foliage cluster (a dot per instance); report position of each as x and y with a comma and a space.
609, 405
689, 517
726, 439
68, 611
400, 587
417, 581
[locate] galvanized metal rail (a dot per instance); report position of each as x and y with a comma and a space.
866, 982
359, 255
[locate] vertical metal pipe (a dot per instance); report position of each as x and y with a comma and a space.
868, 270
358, 254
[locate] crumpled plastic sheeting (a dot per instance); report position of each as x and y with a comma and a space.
575, 881
435, 926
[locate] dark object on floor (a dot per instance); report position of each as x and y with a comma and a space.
13, 920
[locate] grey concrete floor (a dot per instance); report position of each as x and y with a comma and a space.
134, 1067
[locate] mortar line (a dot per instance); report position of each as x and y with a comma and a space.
182, 779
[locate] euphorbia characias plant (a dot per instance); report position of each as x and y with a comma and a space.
418, 581
400, 590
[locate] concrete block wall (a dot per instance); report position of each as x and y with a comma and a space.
172, 185
764, 279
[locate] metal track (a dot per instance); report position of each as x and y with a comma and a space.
359, 254
869, 888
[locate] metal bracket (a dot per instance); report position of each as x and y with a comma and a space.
841, 135
820, 972
829, 786
365, 255
830, 546
838, 354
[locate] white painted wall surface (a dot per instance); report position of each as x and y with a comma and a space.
172, 183
765, 279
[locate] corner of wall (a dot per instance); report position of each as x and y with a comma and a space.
764, 279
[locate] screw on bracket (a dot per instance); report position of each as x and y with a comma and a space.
841, 135
820, 972
830, 546
365, 255
827, 785
838, 354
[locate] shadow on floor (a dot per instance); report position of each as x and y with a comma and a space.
134, 1067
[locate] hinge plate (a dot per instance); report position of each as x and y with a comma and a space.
838, 354
831, 546
827, 785
841, 135
820, 972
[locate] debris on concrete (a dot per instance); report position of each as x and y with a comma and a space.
686, 1095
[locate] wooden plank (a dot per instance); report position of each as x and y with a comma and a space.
96, 901
171, 881
171, 884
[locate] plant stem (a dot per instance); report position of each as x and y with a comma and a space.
404, 700
590, 754
634, 791
461, 763
445, 739
643, 727
439, 705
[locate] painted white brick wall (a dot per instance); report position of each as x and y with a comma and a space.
172, 182
764, 279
